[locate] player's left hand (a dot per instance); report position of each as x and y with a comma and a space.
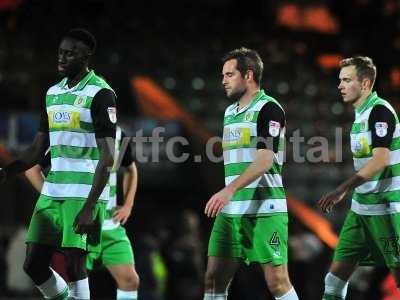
84, 222
218, 201
328, 201
122, 214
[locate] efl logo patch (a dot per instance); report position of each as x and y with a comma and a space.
274, 128
381, 128
112, 114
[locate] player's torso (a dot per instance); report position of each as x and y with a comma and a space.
73, 147
265, 195
375, 195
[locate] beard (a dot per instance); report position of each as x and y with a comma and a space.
237, 94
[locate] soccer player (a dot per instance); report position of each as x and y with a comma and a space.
79, 126
252, 221
370, 231
116, 252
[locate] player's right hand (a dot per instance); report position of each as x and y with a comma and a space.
84, 222
217, 202
328, 201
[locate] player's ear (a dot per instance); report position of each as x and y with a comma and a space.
249, 74
366, 84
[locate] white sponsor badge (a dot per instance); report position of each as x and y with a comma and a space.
112, 114
274, 128
381, 128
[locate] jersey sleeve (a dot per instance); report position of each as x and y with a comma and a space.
104, 114
382, 124
270, 122
44, 122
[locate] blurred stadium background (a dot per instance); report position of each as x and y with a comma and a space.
163, 60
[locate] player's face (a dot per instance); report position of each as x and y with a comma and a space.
72, 57
349, 86
232, 80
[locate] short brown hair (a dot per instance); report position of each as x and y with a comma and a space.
247, 59
364, 65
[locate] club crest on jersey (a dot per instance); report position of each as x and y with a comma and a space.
381, 128
274, 128
249, 116
112, 114
80, 101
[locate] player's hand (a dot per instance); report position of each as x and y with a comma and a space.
328, 201
122, 214
84, 222
218, 201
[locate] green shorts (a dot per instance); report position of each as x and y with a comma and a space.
52, 224
252, 239
116, 249
369, 240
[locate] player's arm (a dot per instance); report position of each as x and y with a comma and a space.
103, 106
270, 122
35, 174
31, 156
129, 185
382, 125
35, 177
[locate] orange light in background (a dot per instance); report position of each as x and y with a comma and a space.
289, 15
315, 18
313, 221
319, 18
395, 77
329, 61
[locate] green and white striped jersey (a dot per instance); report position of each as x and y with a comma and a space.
73, 147
266, 195
381, 194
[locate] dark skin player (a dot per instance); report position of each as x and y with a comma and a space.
73, 61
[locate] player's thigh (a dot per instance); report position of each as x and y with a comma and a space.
116, 248
124, 274
276, 274
45, 225
221, 269
265, 239
354, 244
226, 238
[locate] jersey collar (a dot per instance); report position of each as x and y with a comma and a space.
367, 102
257, 97
80, 85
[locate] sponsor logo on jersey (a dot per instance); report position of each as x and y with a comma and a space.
381, 128
274, 128
359, 145
112, 114
64, 119
238, 136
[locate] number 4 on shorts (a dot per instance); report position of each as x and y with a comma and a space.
274, 239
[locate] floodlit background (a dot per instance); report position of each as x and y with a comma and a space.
163, 60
